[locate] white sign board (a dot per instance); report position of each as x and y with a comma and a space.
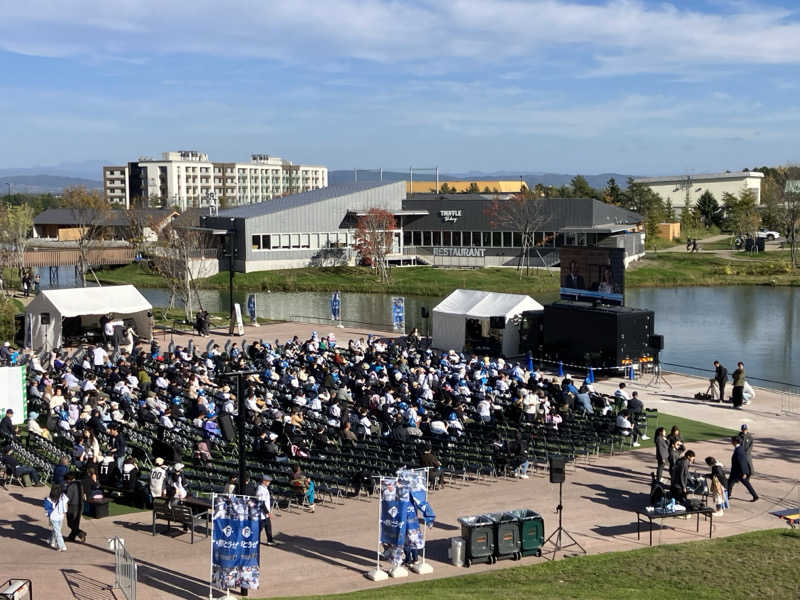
14, 393
239, 324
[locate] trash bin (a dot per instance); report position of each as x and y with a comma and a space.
531, 531
506, 535
457, 551
478, 534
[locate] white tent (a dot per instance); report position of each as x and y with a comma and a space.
45, 314
451, 314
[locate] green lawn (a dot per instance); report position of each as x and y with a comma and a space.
655, 270
691, 431
762, 564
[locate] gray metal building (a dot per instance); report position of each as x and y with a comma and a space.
318, 227
315, 227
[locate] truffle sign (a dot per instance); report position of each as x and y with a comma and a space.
450, 216
455, 251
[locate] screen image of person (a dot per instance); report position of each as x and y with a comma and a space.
573, 279
606, 284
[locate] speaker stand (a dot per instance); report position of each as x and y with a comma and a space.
555, 538
658, 378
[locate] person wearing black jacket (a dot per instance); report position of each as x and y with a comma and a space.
740, 470
7, 428
680, 477
662, 452
746, 439
74, 491
117, 444
721, 375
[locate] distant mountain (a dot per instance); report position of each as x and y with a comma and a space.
43, 184
532, 178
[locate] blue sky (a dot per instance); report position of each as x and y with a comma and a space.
554, 85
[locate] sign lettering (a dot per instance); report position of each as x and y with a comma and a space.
450, 216
461, 252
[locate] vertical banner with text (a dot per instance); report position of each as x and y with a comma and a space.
235, 542
398, 313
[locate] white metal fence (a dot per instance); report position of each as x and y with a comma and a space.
125, 570
790, 402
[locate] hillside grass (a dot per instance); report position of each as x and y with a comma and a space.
761, 564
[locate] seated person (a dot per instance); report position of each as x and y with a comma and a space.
14, 468
304, 485
626, 427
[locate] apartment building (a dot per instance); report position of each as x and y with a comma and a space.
115, 185
188, 179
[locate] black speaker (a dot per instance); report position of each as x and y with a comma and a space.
44, 318
657, 342
424, 312
226, 425
558, 464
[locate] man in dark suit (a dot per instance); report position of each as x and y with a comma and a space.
721, 375
680, 477
7, 428
740, 470
573, 279
746, 440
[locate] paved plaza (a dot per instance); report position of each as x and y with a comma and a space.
330, 550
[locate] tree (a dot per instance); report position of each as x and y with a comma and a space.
612, 194
446, 189
374, 232
473, 188
138, 223
669, 212
16, 223
90, 213
582, 189
524, 213
708, 209
791, 203
486, 190
741, 214
174, 259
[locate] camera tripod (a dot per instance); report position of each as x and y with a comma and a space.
557, 546
657, 378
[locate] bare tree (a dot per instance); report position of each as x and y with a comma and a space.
138, 224
16, 223
791, 203
524, 213
174, 259
91, 214
374, 231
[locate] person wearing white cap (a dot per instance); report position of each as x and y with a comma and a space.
157, 476
263, 496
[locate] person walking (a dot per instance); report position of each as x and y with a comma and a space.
737, 397
75, 508
263, 496
721, 375
680, 477
746, 440
717, 485
662, 452
56, 505
740, 470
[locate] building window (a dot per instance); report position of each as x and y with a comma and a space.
304, 240
447, 238
437, 238
426, 238
256, 242
497, 239
538, 238
456, 238
285, 241
507, 239
487, 239
517, 239
417, 238
295, 240
406, 238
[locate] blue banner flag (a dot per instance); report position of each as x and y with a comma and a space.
251, 306
399, 313
235, 542
336, 304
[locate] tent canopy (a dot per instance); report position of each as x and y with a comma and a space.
118, 299
451, 314
44, 315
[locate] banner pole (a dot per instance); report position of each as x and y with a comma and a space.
378, 574
211, 552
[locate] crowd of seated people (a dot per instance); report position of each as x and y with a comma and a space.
304, 398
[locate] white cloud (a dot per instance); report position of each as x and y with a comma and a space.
615, 37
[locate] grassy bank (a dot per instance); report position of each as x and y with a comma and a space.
656, 270
761, 564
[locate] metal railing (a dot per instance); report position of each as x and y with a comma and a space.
124, 569
790, 401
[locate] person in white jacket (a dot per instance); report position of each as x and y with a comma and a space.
57, 502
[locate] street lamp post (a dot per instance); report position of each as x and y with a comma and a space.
240, 422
